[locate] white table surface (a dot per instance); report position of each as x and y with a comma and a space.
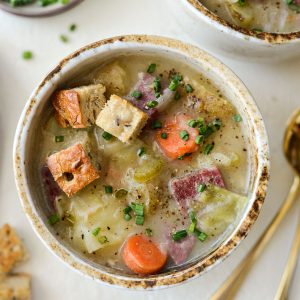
276, 88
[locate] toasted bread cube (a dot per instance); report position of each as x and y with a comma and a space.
121, 119
15, 287
72, 169
113, 77
80, 106
12, 250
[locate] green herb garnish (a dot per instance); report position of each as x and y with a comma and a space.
184, 135
177, 236
108, 189
164, 135
189, 88
96, 231
137, 95
106, 135
156, 124
201, 188
141, 151
151, 68
27, 55
53, 219
208, 148
59, 138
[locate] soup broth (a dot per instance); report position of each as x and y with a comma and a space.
181, 182
265, 15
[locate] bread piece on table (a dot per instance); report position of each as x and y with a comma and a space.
113, 77
80, 106
121, 119
72, 169
15, 287
12, 250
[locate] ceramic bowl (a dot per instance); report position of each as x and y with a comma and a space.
216, 35
94, 54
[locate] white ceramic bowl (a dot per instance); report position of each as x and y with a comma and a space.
26, 169
217, 35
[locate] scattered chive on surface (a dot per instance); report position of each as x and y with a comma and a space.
156, 85
27, 55
156, 124
164, 135
237, 118
149, 232
189, 88
106, 135
108, 189
103, 239
127, 209
59, 138
177, 96
151, 69
184, 135
141, 151
201, 188
96, 231
137, 95
177, 236
127, 217
151, 104
64, 38
199, 140
53, 219
73, 27
208, 148
139, 220
173, 85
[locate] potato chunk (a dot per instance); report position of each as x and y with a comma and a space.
121, 119
72, 169
80, 106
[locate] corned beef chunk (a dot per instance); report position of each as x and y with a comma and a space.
179, 251
184, 189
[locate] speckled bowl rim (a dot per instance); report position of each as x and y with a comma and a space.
172, 277
251, 35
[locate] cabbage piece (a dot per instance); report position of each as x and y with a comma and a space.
218, 208
149, 168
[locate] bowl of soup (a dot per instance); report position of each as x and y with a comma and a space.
141, 161
266, 30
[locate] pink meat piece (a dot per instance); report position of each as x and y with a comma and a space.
184, 189
51, 188
179, 251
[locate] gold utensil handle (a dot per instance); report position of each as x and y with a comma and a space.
232, 283
285, 282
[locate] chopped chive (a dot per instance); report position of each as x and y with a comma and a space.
181, 157
59, 138
103, 239
237, 118
72, 27
96, 231
199, 140
173, 85
156, 124
189, 88
151, 69
192, 227
64, 38
53, 219
177, 77
208, 148
157, 95
138, 209
106, 135
217, 123
149, 232
202, 236
151, 104
184, 135
121, 193
201, 188
177, 96
108, 189
202, 129
27, 55
139, 220
127, 217
192, 123
177, 236
141, 151
192, 215
156, 85
127, 210
164, 135
136, 94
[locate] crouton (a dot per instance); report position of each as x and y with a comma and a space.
121, 119
15, 287
72, 169
113, 77
80, 106
12, 250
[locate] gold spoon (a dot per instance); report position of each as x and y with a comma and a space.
291, 147
292, 152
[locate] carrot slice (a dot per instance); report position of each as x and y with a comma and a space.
142, 255
174, 146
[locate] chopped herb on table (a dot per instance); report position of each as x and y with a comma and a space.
73, 27
27, 55
53, 219
64, 38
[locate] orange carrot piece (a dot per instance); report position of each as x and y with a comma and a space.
174, 146
142, 255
